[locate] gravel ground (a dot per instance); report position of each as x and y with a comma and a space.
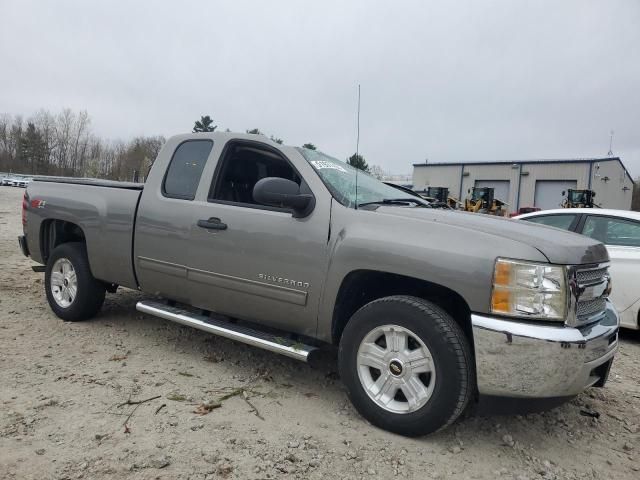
65, 389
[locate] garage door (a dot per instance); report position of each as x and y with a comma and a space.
549, 192
500, 188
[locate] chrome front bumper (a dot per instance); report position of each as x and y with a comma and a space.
516, 359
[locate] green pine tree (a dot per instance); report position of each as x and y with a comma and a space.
358, 161
205, 124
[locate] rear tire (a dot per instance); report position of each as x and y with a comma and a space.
72, 291
407, 365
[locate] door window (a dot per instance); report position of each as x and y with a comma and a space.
559, 221
612, 231
183, 175
241, 168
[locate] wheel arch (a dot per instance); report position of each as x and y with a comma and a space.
360, 287
54, 232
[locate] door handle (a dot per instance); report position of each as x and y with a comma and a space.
212, 223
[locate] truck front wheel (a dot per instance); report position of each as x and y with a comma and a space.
407, 365
72, 291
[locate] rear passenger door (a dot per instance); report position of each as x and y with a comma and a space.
166, 216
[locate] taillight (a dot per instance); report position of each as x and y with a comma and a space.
25, 203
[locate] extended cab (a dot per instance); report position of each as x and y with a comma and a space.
430, 308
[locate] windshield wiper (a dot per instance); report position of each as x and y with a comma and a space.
396, 201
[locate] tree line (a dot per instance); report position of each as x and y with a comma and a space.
64, 144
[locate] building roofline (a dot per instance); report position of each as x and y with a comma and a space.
518, 162
529, 162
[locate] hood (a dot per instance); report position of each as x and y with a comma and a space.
559, 246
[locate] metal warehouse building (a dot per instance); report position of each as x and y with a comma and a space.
538, 183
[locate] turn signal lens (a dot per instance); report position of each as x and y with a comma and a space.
529, 290
503, 274
500, 301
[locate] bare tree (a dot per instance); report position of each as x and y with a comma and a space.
64, 126
376, 171
63, 144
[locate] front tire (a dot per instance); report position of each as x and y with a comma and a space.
72, 291
407, 365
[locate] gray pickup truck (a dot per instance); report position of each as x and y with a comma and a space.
289, 249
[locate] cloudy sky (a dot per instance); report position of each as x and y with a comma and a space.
443, 80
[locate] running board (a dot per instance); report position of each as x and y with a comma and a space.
227, 329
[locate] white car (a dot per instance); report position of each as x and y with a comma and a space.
20, 182
619, 230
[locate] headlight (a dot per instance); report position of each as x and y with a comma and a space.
529, 290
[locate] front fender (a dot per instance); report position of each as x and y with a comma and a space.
451, 256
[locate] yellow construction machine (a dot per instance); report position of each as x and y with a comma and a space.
483, 201
439, 197
579, 199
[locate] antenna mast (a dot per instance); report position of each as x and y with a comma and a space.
610, 153
358, 123
357, 143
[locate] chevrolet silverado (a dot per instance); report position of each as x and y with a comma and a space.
289, 249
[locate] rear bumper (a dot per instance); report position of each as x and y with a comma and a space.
524, 360
22, 241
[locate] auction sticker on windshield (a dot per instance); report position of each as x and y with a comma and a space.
322, 164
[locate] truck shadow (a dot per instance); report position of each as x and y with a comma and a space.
318, 382
631, 336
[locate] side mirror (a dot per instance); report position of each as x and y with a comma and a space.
563, 193
283, 193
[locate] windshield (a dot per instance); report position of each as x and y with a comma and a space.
478, 193
577, 197
340, 179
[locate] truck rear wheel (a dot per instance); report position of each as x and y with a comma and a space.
407, 365
72, 291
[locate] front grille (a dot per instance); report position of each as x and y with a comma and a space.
589, 308
591, 282
591, 276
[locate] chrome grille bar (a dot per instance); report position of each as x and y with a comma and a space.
589, 287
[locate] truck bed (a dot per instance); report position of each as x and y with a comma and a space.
104, 210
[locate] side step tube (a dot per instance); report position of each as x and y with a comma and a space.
227, 329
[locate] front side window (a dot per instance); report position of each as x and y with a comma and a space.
612, 231
185, 169
241, 168
559, 221
340, 179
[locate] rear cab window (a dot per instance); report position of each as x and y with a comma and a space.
185, 169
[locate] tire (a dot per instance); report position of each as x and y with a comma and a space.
438, 381
71, 304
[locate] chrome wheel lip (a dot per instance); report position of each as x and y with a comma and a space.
412, 362
63, 283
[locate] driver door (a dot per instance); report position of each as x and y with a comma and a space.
257, 263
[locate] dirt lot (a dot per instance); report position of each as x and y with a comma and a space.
63, 385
